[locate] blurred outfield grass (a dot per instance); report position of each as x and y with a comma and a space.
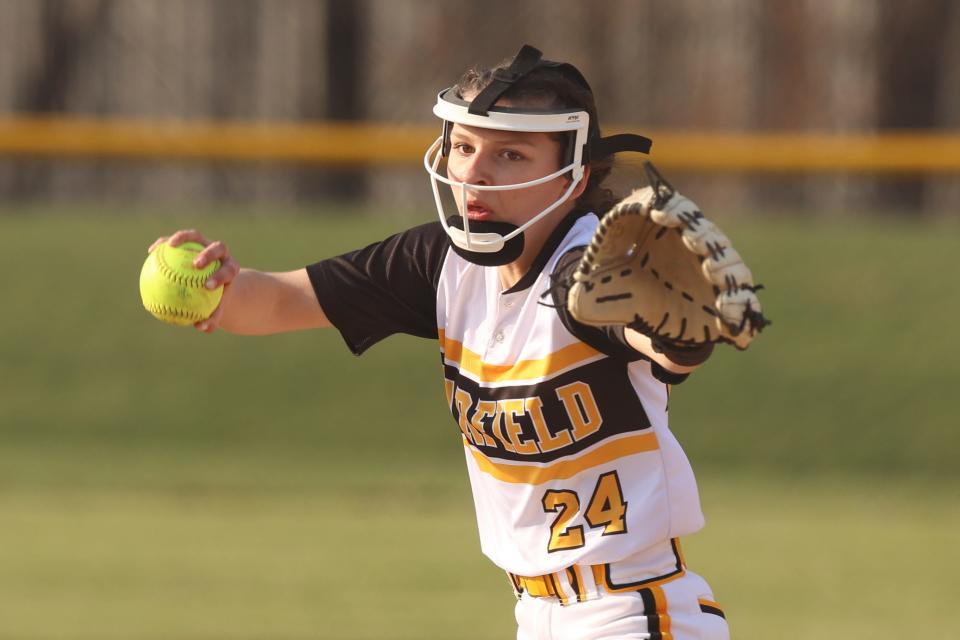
158, 483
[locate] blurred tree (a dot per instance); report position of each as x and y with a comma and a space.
342, 54
840, 66
912, 39
235, 46
69, 29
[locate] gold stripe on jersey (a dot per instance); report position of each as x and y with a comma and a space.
565, 467
448, 386
576, 581
557, 590
662, 611
711, 607
537, 586
678, 549
472, 364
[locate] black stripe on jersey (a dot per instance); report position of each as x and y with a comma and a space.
517, 589
620, 409
714, 610
574, 583
640, 583
650, 612
676, 553
556, 588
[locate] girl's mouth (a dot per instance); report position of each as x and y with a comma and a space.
477, 211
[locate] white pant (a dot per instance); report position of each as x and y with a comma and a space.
681, 609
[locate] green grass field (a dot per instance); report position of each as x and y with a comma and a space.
159, 483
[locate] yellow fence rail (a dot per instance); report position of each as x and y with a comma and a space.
369, 143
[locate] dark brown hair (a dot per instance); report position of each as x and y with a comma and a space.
552, 88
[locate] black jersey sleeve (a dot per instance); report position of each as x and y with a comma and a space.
609, 339
388, 287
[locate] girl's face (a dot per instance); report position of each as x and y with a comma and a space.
489, 157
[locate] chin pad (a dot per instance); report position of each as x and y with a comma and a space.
511, 250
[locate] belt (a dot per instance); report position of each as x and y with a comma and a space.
578, 583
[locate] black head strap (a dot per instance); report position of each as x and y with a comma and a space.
613, 144
570, 71
526, 61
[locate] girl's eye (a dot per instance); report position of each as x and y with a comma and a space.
462, 147
512, 155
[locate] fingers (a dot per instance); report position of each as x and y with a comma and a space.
727, 271
156, 243
178, 238
212, 252
212, 323
705, 239
638, 197
741, 316
187, 235
225, 274
228, 266
679, 211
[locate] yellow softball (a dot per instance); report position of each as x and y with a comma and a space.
173, 290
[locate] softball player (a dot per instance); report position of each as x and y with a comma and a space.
581, 490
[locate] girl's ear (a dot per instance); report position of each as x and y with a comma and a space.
582, 185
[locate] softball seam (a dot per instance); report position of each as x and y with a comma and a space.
168, 272
161, 310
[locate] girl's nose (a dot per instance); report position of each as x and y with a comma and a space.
475, 170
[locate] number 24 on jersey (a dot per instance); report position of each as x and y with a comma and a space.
606, 508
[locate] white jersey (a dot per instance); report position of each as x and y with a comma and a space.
570, 457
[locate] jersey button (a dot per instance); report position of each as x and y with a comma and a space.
498, 337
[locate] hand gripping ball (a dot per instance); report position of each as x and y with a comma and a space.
173, 290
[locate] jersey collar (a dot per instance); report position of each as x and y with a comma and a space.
549, 247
